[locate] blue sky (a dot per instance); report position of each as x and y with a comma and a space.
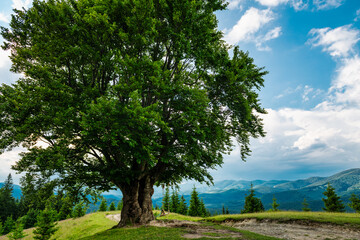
312, 91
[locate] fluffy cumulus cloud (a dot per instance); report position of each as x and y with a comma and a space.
19, 4
4, 18
338, 42
327, 4
234, 4
317, 141
250, 27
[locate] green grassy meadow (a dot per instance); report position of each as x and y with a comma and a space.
96, 226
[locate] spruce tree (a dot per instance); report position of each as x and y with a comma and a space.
45, 226
9, 225
223, 209
227, 211
112, 206
18, 232
166, 200
79, 210
252, 203
182, 206
274, 205
194, 205
305, 207
174, 202
355, 203
202, 209
1, 228
7, 201
119, 205
332, 201
103, 206
66, 209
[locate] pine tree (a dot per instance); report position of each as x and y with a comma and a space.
182, 206
112, 207
202, 209
194, 205
103, 206
1, 228
66, 208
274, 205
174, 202
252, 204
18, 232
227, 211
305, 207
7, 201
120, 205
9, 225
223, 209
30, 219
79, 210
332, 201
45, 224
355, 203
166, 200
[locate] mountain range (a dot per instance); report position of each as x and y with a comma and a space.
231, 193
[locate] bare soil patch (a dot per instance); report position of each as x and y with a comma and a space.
297, 230
193, 230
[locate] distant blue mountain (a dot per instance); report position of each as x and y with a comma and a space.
231, 193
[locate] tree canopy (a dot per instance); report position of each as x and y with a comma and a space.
127, 94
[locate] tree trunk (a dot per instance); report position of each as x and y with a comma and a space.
137, 203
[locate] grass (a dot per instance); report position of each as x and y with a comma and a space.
97, 226
284, 216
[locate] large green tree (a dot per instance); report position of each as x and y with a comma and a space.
126, 94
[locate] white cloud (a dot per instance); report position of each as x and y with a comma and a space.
299, 5
4, 59
4, 18
234, 4
357, 15
271, 3
19, 4
326, 4
339, 42
247, 29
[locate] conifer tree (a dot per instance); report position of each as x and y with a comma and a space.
7, 201
355, 203
45, 226
194, 206
174, 202
79, 210
103, 205
274, 205
332, 201
1, 228
120, 205
166, 200
227, 210
305, 207
112, 206
66, 208
182, 206
252, 203
202, 209
9, 225
18, 232
223, 209
30, 219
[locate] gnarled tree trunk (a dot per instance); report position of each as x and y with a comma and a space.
137, 203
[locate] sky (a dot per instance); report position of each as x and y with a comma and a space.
311, 94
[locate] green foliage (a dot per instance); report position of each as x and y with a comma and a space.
30, 219
332, 201
196, 206
7, 201
79, 210
227, 211
174, 202
18, 232
355, 203
119, 205
182, 206
46, 225
1, 228
252, 203
9, 225
166, 200
103, 205
66, 208
121, 99
112, 207
274, 205
305, 205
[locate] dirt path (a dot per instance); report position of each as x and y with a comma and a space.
297, 230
